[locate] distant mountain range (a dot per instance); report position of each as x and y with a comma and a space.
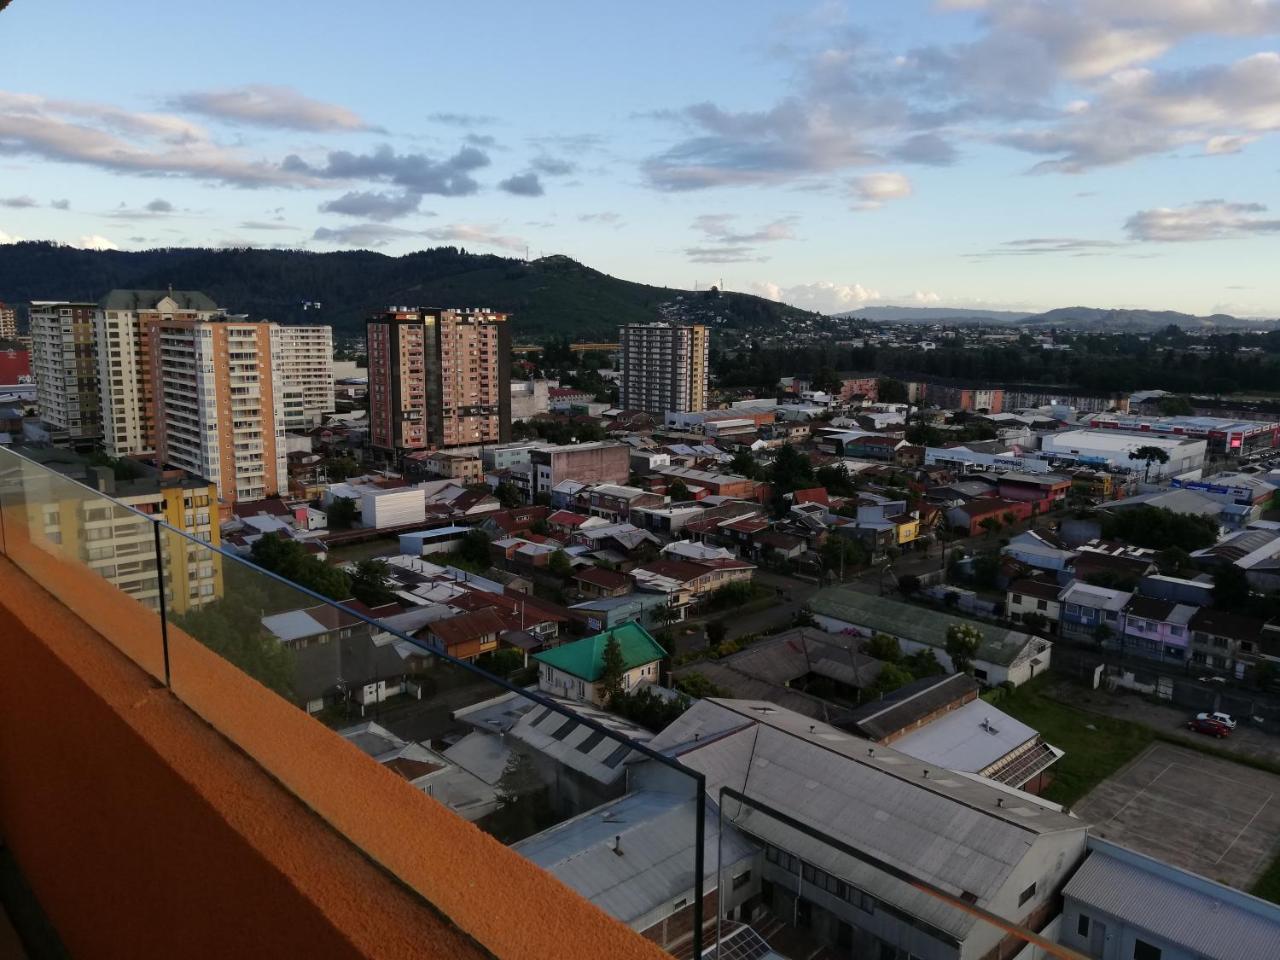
552, 296
1076, 318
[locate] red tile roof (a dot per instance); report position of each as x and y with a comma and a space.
680, 570
600, 577
467, 626
566, 518
812, 495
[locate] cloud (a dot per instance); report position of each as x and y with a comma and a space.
1205, 220
374, 206
462, 119
159, 206
95, 242
553, 166
1035, 246
114, 140
265, 105
929, 149
822, 296
264, 225
414, 172
483, 140
723, 255
483, 234
18, 203
873, 190
10, 238
522, 185
605, 216
362, 235
718, 226
60, 204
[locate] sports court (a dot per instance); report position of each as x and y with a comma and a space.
1213, 817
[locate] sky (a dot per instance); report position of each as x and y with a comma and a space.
1018, 154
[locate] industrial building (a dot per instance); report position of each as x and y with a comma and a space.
1112, 448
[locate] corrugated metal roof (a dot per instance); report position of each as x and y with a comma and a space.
970, 738
1202, 917
965, 835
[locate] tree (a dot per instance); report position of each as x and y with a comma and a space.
508, 495
842, 555
716, 631
678, 491
1036, 623
524, 806
697, 685
1159, 529
963, 640
1231, 589
1172, 561
989, 524
883, 647
891, 391
341, 513
923, 663
1149, 455
825, 380
908, 584
890, 678
290, 560
744, 464
337, 469
474, 548
231, 628
369, 583
612, 669
1174, 406
1009, 517
648, 708
559, 565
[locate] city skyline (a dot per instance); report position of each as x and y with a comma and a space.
979, 153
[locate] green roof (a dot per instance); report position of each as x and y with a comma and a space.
910, 622
584, 658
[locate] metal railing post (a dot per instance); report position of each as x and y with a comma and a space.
164, 618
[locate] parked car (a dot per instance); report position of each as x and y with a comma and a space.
1223, 718
1210, 727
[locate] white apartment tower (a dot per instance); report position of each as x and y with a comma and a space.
8, 322
122, 329
219, 404
64, 362
304, 357
664, 368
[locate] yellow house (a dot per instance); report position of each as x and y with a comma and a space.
906, 526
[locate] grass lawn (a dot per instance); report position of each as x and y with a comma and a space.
1091, 755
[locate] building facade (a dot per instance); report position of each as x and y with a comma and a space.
8, 322
438, 378
218, 403
64, 361
122, 326
304, 357
602, 461
664, 368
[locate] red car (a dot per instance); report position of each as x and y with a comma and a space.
1209, 726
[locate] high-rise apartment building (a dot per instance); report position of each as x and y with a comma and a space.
438, 378
218, 403
8, 322
122, 325
664, 368
304, 358
64, 362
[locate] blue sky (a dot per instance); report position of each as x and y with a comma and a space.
1019, 153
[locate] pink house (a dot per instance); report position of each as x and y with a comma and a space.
1158, 629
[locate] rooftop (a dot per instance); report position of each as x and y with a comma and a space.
585, 658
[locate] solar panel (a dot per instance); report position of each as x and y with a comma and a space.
589, 744
615, 758
563, 730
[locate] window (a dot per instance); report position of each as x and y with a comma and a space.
1073, 609
1145, 951
979, 674
1026, 894
1042, 604
1017, 598
741, 880
1082, 925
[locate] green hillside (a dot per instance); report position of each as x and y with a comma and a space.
554, 296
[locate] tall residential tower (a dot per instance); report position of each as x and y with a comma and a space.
438, 378
664, 368
64, 361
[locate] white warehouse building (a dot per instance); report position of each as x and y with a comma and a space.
1112, 448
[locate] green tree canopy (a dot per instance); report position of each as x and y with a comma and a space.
341, 513
963, 640
612, 669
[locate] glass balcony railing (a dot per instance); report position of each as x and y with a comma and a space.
554, 779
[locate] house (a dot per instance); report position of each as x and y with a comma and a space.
1121, 905
515, 522
1001, 850
1159, 629
467, 635
574, 670
1256, 552
1040, 549
1003, 655
622, 538
972, 515
1029, 598
1089, 612
688, 583
563, 523
1094, 484
911, 707
717, 484
1232, 642
614, 502
596, 582
1046, 490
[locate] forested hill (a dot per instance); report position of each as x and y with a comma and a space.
551, 296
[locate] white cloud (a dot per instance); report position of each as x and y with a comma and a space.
484, 234
265, 105
95, 242
1206, 220
822, 296
10, 238
873, 190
